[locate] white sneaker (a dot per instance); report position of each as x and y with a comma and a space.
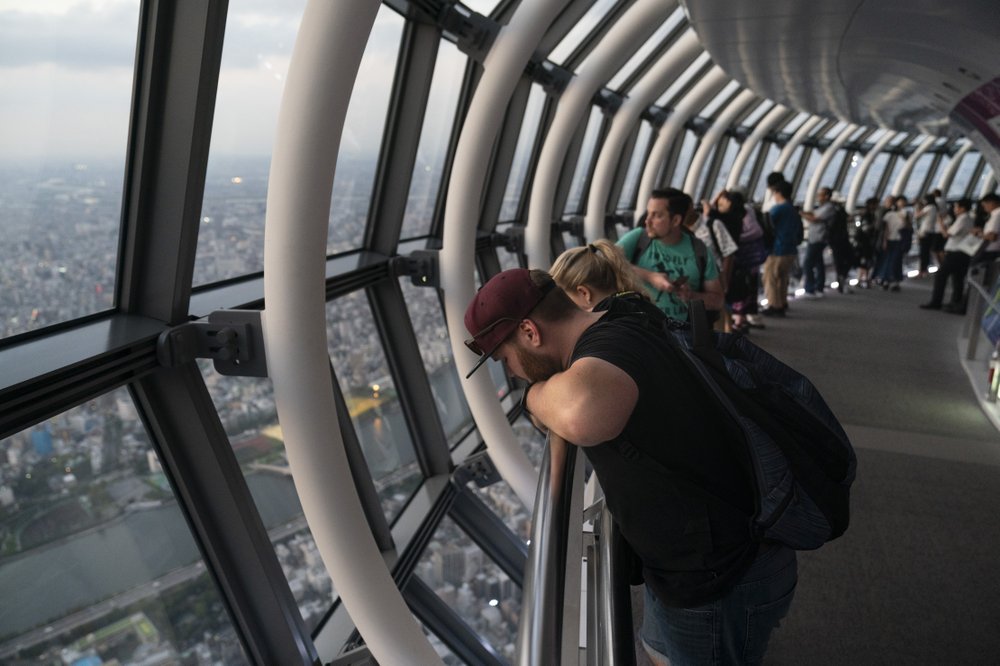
810, 296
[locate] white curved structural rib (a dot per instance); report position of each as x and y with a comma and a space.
321, 75
503, 67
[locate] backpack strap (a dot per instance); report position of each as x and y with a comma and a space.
640, 246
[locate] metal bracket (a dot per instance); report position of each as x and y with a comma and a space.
360, 656
420, 265
233, 339
474, 33
550, 76
478, 467
656, 116
608, 100
511, 239
572, 225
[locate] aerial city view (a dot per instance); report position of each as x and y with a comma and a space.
87, 514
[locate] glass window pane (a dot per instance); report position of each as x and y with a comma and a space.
744, 177
815, 156
684, 159
897, 168
758, 113
626, 200
917, 176
255, 57
651, 44
432, 150
64, 112
360, 365
962, 176
95, 554
942, 164
980, 183
522, 153
721, 98
869, 185
246, 409
359, 146
580, 30
667, 100
484, 7
581, 175
793, 160
792, 126
427, 318
769, 160
473, 585
439, 117
852, 168
832, 169
728, 158
834, 131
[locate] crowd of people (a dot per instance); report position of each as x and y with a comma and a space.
602, 377
731, 250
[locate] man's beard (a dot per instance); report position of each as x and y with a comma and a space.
537, 367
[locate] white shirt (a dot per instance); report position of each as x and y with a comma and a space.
927, 220
727, 245
894, 221
958, 229
993, 225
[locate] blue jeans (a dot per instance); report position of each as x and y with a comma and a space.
731, 630
812, 266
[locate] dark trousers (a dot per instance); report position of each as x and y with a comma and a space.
955, 266
926, 244
815, 271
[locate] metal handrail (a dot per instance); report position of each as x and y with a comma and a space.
979, 304
610, 633
553, 556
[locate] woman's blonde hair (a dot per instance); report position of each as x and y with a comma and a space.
600, 265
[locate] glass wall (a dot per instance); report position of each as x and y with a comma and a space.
67, 74
246, 409
474, 586
439, 117
97, 564
646, 49
961, 181
522, 153
581, 174
626, 199
580, 30
684, 159
427, 318
372, 400
917, 176
869, 186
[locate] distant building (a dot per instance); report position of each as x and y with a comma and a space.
41, 440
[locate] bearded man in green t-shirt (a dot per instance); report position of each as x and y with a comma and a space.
669, 266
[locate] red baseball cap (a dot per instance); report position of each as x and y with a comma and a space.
498, 307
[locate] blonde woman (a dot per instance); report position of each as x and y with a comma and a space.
592, 273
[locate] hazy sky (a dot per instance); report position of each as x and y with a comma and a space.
66, 68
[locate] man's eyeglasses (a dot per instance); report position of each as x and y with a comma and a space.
473, 343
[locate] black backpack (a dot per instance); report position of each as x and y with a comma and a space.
838, 225
802, 461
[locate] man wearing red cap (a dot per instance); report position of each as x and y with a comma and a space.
673, 472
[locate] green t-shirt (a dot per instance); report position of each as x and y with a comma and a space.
674, 261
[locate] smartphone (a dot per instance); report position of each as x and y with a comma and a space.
680, 280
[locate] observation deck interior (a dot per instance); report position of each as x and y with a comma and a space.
236, 240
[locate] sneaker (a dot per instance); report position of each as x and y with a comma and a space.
754, 322
954, 308
773, 312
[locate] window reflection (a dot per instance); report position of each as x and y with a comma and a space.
473, 585
770, 159
438, 119
97, 564
372, 400
427, 318
65, 113
246, 409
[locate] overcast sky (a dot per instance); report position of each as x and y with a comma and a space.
66, 68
